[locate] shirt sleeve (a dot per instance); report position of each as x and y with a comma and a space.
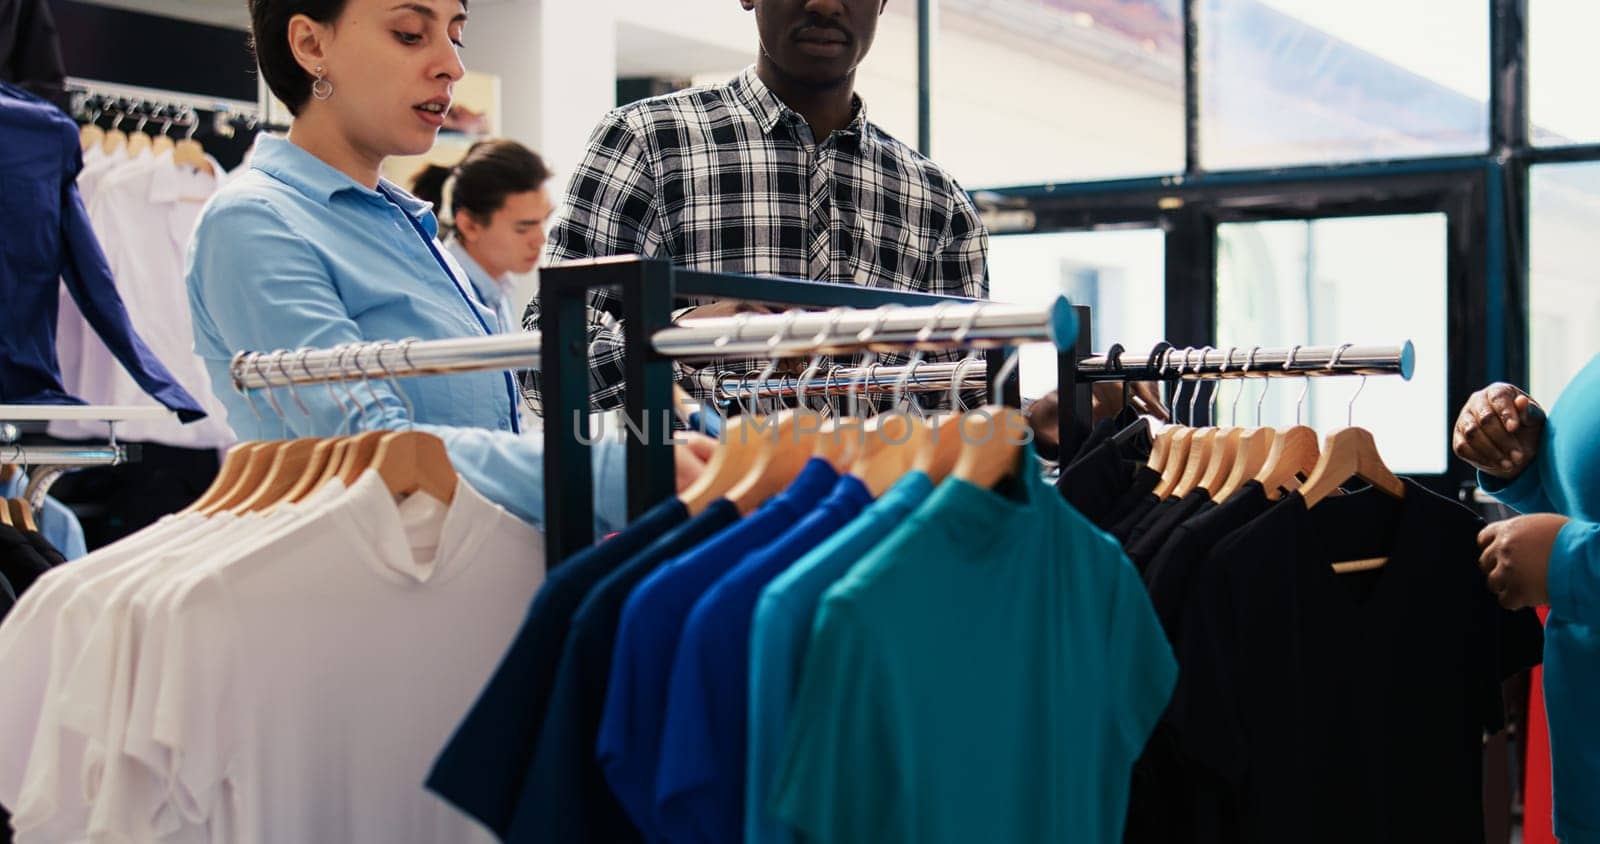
845, 759
1574, 574
1524, 493
610, 210
258, 286
961, 267
1142, 669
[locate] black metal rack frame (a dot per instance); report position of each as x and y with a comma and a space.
648, 290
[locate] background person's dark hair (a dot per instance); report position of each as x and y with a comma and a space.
269, 38
491, 171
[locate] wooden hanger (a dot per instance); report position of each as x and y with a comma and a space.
7, 471
1293, 456
325, 459
1201, 443
290, 464
1177, 460
1349, 453
359, 453
91, 136
162, 144
22, 515
736, 452
228, 475
990, 445
1224, 456
138, 142
1249, 456
249, 480
114, 140
413, 461
5, 513
786, 450
903, 437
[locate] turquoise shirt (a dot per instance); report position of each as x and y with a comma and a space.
1565, 479
294, 254
781, 631
988, 673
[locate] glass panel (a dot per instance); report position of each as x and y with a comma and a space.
1563, 298
1370, 280
1288, 82
1119, 274
1033, 91
1561, 68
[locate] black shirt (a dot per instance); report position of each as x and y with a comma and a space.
1356, 704
565, 796
1096, 483
1179, 510
482, 769
20, 562
47, 552
1135, 503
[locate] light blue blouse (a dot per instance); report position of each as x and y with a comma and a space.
295, 254
491, 293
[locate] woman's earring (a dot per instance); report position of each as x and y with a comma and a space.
322, 88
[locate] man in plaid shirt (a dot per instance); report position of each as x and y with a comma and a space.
777, 172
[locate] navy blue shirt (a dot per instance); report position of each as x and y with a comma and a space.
635, 708
564, 796
701, 775
482, 769
47, 237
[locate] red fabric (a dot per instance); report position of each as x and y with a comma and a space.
1536, 800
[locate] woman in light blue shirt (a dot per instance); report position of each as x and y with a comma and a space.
310, 248
495, 204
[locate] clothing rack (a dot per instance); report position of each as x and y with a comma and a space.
92, 99
650, 289
50, 462
867, 380
384, 359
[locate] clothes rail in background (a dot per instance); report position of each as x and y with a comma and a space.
912, 378
384, 359
1252, 362
50, 462
649, 291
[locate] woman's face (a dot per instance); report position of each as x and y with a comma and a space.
393, 65
513, 237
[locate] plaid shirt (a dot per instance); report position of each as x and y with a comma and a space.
726, 178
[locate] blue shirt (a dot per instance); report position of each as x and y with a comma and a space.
780, 631
46, 238
564, 794
636, 700
491, 292
482, 769
700, 781
57, 523
1565, 479
295, 254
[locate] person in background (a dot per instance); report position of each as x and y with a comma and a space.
776, 172
1548, 468
310, 248
494, 205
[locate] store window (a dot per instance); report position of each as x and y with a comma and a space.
1118, 274
1367, 280
1561, 70
1036, 91
1563, 294
1291, 82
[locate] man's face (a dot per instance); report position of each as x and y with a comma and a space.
816, 42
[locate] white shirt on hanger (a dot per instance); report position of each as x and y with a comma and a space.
144, 213
307, 685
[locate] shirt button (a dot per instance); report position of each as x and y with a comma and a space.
505, 425
819, 228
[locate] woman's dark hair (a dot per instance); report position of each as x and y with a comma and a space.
269, 37
491, 171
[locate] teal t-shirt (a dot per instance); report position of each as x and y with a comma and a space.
989, 672
1565, 479
781, 630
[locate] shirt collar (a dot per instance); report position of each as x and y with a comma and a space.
317, 179
769, 111
487, 284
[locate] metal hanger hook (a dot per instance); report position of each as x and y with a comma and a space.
773, 344
820, 342
1199, 369
905, 377
1288, 366
366, 378
283, 418
244, 361
882, 313
958, 378
411, 410
1216, 394
1265, 383
288, 380
1349, 409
